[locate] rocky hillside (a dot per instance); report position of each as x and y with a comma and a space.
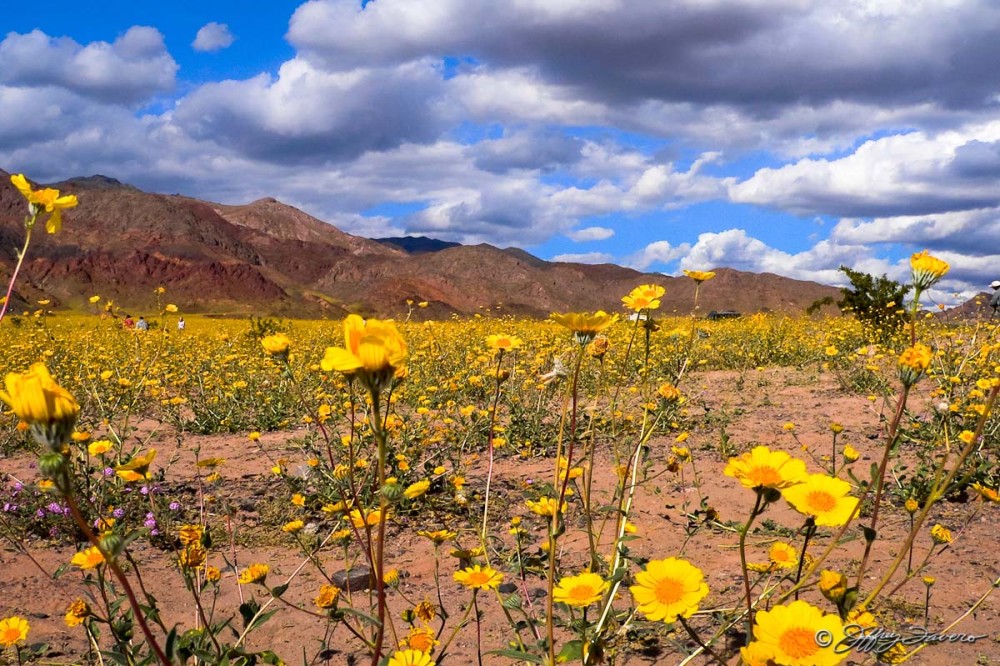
268, 258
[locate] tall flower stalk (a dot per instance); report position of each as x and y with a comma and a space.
40, 202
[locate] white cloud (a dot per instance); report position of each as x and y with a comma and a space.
658, 252
590, 234
585, 258
896, 175
126, 71
314, 115
213, 37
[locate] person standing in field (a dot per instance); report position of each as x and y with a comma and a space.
181, 324
142, 324
995, 298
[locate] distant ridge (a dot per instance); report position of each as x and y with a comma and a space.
417, 244
269, 258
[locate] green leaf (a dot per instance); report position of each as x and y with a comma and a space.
364, 616
278, 590
518, 655
571, 651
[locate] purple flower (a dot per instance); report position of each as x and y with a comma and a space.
18, 486
150, 522
118, 513
175, 506
54, 507
109, 471
40, 513
144, 490
155, 533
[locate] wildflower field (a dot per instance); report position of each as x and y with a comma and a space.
592, 488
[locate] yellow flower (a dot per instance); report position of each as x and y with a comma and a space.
255, 573
479, 577
911, 506
700, 276
47, 199
438, 536
136, 469
292, 527
192, 557
410, 658
391, 577
425, 611
669, 589
170, 307
929, 580
276, 345
913, 362
580, 591
545, 506
37, 399
644, 297
757, 654
833, 585
988, 494
415, 490
783, 555
850, 453
790, 632
327, 597
13, 630
823, 497
926, 270
359, 520
585, 326
763, 468
212, 574
375, 351
669, 392
88, 559
967, 436
941, 534
504, 342
190, 534
94, 299
77, 612
421, 639
99, 447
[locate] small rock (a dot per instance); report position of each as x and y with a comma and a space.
357, 579
507, 588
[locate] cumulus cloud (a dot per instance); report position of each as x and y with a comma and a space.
126, 71
314, 115
585, 258
590, 234
213, 37
658, 252
905, 174
748, 60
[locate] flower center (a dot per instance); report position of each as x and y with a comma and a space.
478, 578
581, 592
798, 642
669, 591
822, 501
764, 476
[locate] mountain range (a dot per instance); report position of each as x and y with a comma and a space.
269, 258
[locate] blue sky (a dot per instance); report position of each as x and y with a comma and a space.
781, 136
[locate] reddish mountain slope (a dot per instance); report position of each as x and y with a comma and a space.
269, 258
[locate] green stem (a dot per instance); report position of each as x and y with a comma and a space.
743, 559
29, 224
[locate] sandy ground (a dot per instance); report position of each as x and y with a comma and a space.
755, 415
